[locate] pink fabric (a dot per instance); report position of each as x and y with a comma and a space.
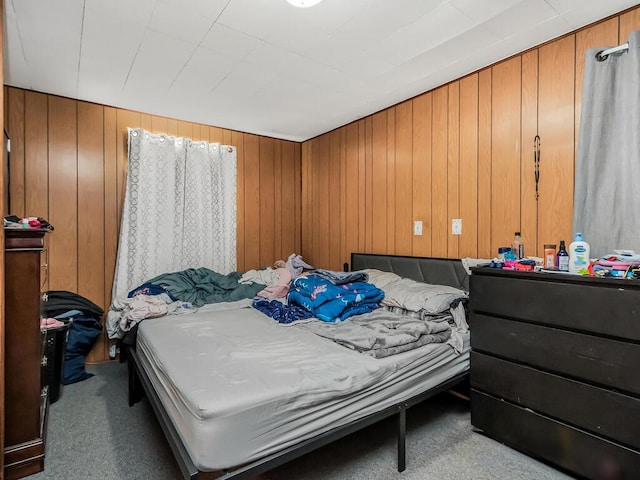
50, 323
281, 289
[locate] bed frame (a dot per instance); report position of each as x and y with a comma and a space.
430, 270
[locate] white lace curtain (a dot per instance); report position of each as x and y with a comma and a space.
179, 209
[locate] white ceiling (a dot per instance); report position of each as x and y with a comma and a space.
263, 66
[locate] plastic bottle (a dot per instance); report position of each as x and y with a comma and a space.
579, 255
562, 258
518, 246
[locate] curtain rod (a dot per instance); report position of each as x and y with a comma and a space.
605, 53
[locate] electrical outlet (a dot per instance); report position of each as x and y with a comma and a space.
417, 227
456, 226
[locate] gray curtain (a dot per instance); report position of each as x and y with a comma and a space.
607, 185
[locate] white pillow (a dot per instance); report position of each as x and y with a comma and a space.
415, 296
380, 278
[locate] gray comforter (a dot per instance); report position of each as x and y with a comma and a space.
382, 333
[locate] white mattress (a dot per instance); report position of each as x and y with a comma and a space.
239, 386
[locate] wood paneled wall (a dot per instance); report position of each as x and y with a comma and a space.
463, 150
68, 165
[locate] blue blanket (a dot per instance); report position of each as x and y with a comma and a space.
280, 312
330, 302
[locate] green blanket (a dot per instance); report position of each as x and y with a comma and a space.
202, 285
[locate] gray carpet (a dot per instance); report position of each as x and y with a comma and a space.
94, 434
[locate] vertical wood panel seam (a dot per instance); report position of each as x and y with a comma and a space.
446, 156
431, 175
412, 171
521, 152
48, 165
540, 140
459, 155
478, 170
24, 156
104, 207
490, 159
77, 198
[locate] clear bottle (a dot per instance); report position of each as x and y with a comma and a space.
562, 258
517, 247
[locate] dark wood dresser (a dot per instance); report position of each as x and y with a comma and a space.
25, 399
554, 368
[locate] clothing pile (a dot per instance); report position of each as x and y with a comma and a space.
85, 319
334, 296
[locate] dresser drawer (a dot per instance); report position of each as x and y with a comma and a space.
611, 308
594, 359
542, 437
597, 410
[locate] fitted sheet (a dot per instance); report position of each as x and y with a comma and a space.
238, 386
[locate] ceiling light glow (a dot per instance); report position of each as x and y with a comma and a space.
304, 3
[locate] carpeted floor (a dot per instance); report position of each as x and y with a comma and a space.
93, 434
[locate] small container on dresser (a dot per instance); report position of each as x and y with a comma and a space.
554, 368
25, 400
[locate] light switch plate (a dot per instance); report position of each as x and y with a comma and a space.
456, 226
417, 227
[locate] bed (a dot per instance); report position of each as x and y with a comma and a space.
233, 406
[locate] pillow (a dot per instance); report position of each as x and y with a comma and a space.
415, 296
380, 278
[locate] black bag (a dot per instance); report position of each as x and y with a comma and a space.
85, 329
57, 302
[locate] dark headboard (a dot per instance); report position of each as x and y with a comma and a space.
438, 271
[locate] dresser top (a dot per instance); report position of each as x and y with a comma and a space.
558, 277
24, 238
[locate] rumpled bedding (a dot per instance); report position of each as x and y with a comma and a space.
192, 288
382, 333
329, 302
423, 300
126, 312
340, 278
202, 285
